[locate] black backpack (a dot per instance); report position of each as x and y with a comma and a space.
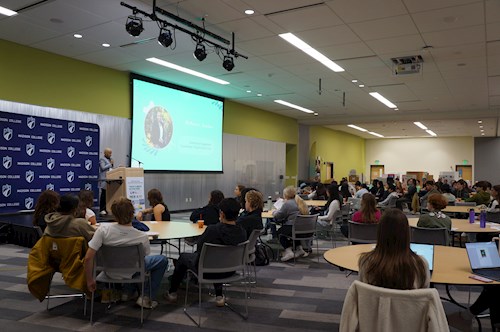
262, 254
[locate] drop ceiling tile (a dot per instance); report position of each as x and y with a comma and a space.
404, 45
367, 10
426, 5
22, 31
306, 18
458, 52
462, 36
385, 28
217, 12
110, 9
494, 100
347, 51
493, 31
266, 6
245, 29
68, 46
450, 18
106, 57
494, 85
334, 35
266, 46
492, 11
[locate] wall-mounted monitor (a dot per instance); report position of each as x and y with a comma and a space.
174, 128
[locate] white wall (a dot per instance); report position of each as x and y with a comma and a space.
431, 155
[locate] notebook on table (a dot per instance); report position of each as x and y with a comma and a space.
484, 259
426, 251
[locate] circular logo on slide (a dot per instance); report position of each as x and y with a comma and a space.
158, 127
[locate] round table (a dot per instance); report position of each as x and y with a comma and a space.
463, 226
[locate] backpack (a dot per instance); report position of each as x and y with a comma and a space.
262, 254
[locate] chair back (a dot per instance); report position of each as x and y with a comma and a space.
465, 203
355, 203
376, 309
493, 217
252, 241
392, 202
437, 236
218, 258
122, 260
362, 233
304, 224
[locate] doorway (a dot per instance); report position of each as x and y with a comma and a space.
464, 172
376, 171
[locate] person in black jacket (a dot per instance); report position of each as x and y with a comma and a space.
210, 212
226, 232
252, 217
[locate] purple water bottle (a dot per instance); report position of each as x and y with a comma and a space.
482, 219
472, 216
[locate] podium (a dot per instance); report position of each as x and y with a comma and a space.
124, 182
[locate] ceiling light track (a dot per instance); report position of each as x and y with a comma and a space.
294, 9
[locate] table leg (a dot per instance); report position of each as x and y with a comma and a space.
452, 300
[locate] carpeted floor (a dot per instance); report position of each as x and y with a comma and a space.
304, 297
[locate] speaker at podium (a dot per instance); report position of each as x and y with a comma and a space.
127, 182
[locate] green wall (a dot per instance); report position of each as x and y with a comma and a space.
346, 151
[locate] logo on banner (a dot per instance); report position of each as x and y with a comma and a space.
50, 186
31, 122
30, 149
88, 186
71, 127
7, 162
6, 190
29, 202
88, 141
51, 163
30, 176
51, 138
8, 133
88, 164
71, 151
70, 176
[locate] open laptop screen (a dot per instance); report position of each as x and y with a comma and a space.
426, 251
483, 255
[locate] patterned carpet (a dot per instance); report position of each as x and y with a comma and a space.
304, 297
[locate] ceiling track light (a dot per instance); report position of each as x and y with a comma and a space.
165, 37
200, 53
228, 63
134, 25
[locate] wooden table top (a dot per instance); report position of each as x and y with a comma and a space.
460, 209
170, 230
463, 226
451, 265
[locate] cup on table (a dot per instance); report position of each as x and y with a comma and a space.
201, 223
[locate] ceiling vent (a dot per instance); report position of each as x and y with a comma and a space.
407, 65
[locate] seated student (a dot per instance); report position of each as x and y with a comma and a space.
120, 234
318, 193
252, 217
408, 197
450, 198
226, 232
293, 206
237, 193
460, 189
361, 189
368, 213
493, 207
47, 202
435, 218
391, 195
62, 223
392, 264
430, 189
380, 194
86, 198
158, 208
210, 212
482, 195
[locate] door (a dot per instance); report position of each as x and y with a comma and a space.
376, 171
464, 172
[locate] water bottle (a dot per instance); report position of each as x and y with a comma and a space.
482, 219
269, 203
472, 216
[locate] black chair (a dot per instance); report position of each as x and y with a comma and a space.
436, 236
362, 233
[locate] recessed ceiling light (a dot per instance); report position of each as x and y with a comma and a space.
382, 99
361, 85
249, 91
430, 132
186, 70
354, 81
7, 12
249, 11
482, 130
306, 48
77, 35
396, 109
479, 121
316, 114
106, 45
420, 125
482, 134
356, 127
481, 127
297, 107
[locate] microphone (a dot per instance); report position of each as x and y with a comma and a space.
140, 162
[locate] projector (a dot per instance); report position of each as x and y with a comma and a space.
407, 69
407, 65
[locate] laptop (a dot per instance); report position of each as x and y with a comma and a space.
424, 250
484, 259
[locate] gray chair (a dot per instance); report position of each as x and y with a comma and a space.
362, 233
217, 258
333, 229
126, 260
303, 229
437, 236
391, 204
252, 241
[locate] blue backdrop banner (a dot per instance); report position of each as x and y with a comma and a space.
39, 153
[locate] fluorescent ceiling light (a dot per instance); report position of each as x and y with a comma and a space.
300, 108
186, 70
419, 124
356, 127
430, 132
382, 99
375, 134
306, 48
7, 12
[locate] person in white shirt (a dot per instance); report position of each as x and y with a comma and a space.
392, 193
86, 198
333, 205
123, 233
494, 206
360, 189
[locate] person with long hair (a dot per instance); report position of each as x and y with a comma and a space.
333, 205
86, 202
158, 208
238, 193
293, 206
252, 217
210, 212
494, 207
368, 213
392, 264
47, 202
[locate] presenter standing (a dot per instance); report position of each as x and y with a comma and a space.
105, 164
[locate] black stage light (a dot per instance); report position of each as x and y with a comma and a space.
199, 52
165, 37
228, 63
134, 25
